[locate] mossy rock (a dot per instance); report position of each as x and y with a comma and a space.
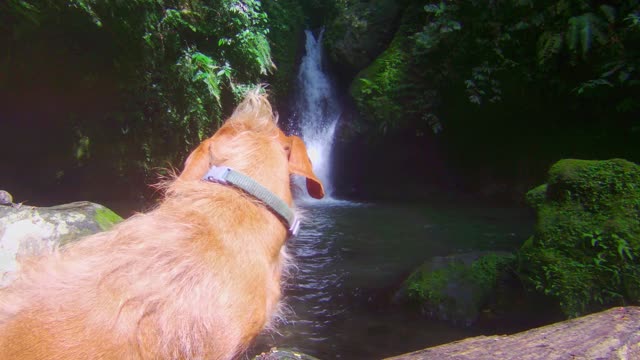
586, 246
105, 218
377, 90
456, 288
30, 230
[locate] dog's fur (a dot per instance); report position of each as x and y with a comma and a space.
196, 278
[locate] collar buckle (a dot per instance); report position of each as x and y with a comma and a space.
218, 174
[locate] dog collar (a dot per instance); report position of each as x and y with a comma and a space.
227, 176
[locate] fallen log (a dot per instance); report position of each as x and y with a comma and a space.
608, 335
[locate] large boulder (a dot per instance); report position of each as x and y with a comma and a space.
456, 288
586, 246
30, 230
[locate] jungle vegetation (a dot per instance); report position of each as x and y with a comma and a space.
138, 83
116, 90
509, 86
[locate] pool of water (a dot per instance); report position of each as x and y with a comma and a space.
350, 257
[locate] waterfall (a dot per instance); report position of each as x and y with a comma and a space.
316, 110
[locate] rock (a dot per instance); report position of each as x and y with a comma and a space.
586, 246
30, 230
612, 334
283, 354
456, 288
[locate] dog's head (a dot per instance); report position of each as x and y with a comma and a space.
250, 142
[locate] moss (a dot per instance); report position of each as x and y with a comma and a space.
586, 246
594, 183
377, 90
106, 218
486, 270
429, 285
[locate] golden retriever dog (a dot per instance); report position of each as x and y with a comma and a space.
198, 277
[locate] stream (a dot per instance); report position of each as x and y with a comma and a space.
350, 257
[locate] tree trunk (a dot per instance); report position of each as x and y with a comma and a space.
607, 335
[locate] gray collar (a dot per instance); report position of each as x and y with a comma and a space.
228, 176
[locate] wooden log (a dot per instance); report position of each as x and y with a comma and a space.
608, 335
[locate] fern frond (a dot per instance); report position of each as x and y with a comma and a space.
549, 45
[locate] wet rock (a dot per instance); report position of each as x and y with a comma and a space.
284, 354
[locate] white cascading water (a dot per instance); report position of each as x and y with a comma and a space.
317, 110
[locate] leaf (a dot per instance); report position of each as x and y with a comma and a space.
582, 31
633, 19
549, 45
201, 59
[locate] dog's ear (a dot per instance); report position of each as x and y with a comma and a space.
300, 164
198, 162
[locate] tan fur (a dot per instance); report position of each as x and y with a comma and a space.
196, 278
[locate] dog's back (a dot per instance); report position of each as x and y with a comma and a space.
196, 278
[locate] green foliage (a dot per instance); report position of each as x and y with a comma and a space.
549, 46
286, 24
582, 31
587, 241
391, 92
172, 69
441, 24
570, 48
378, 89
21, 9
634, 20
359, 31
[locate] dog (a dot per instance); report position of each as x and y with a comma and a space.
198, 277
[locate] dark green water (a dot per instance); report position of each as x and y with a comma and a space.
350, 257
